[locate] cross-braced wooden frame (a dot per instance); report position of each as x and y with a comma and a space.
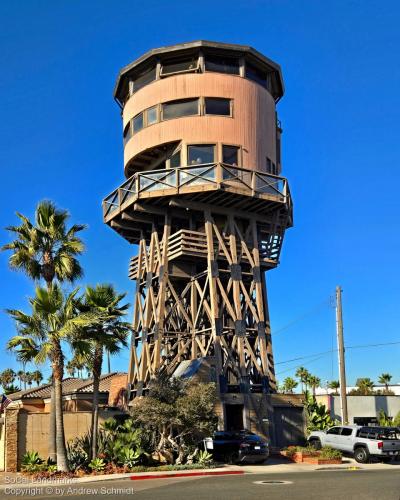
218, 309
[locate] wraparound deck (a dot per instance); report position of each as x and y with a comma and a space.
253, 187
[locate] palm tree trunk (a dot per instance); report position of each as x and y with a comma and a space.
52, 426
58, 369
97, 363
108, 362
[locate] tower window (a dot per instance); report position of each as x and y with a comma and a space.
217, 106
222, 64
271, 167
200, 154
143, 79
176, 109
175, 160
127, 132
230, 155
255, 74
152, 115
138, 122
179, 65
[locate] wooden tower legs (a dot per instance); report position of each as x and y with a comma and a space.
202, 294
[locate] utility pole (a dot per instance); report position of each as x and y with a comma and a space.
342, 366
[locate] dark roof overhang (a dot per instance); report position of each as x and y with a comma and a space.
156, 54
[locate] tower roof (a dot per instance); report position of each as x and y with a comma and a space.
216, 47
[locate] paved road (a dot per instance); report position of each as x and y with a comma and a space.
317, 485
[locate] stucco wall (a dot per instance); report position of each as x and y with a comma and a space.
362, 406
33, 429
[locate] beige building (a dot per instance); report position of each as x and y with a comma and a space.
24, 426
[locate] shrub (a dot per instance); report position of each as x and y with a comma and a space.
31, 462
76, 455
128, 456
97, 464
327, 452
204, 458
306, 450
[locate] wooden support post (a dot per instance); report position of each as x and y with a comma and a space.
212, 269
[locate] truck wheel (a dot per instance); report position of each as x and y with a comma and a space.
315, 443
361, 455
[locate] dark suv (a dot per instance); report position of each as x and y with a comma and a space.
237, 447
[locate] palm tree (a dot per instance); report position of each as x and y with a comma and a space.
47, 249
29, 379
37, 377
385, 379
7, 378
303, 374
334, 385
365, 386
109, 335
314, 382
289, 384
70, 368
20, 377
54, 318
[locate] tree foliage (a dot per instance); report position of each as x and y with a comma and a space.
178, 414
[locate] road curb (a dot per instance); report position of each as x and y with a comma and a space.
140, 477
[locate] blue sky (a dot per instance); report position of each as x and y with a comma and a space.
61, 139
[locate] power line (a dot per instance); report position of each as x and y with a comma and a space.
312, 311
297, 366
305, 357
335, 350
371, 345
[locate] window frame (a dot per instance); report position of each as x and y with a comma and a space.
179, 72
146, 112
239, 148
200, 144
132, 89
128, 129
133, 122
256, 68
163, 119
335, 433
179, 150
216, 55
221, 99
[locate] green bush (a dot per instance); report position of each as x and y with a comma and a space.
327, 452
97, 464
129, 457
204, 458
31, 462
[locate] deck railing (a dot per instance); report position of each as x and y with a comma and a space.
183, 179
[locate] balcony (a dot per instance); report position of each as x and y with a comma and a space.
193, 244
252, 187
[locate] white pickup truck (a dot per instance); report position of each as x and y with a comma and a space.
361, 441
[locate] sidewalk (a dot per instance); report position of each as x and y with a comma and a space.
279, 465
